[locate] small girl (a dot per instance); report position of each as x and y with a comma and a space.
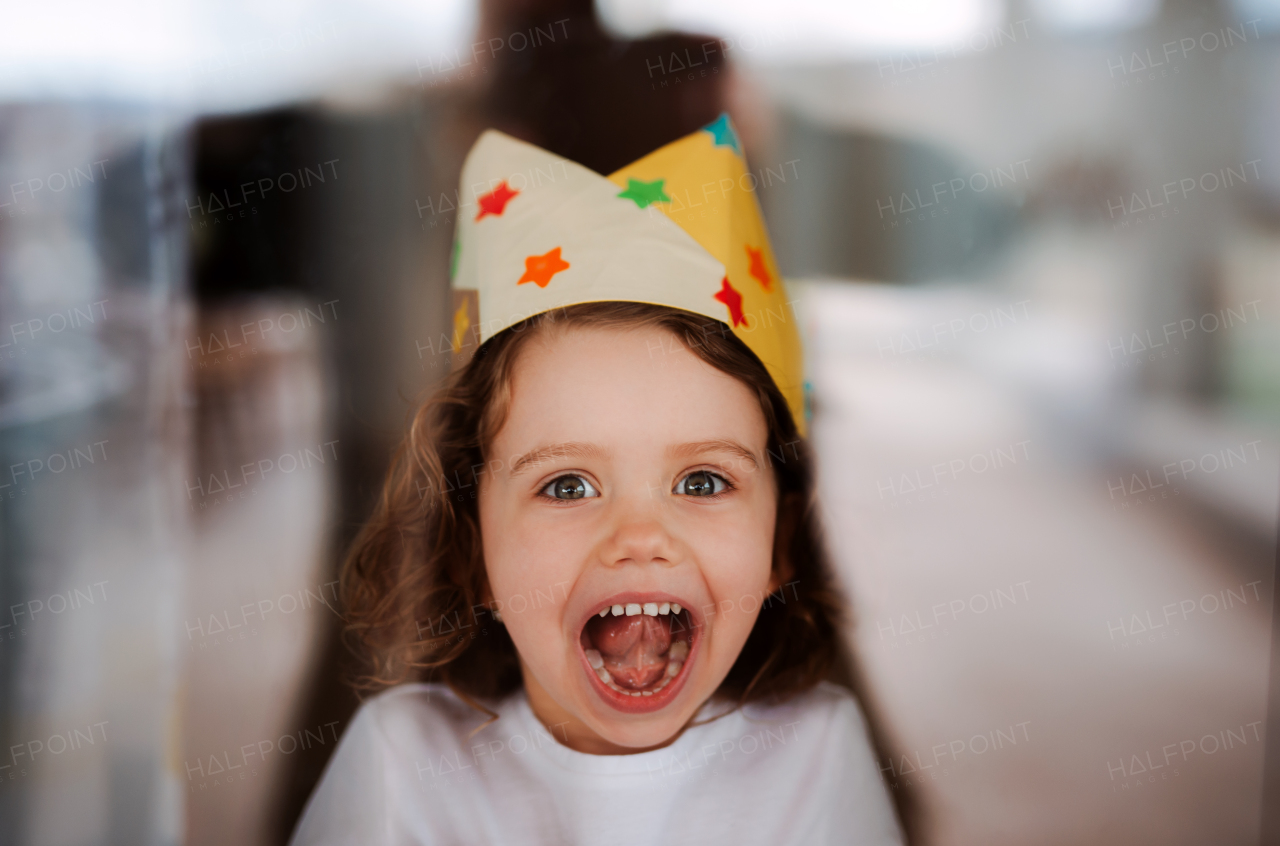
596, 550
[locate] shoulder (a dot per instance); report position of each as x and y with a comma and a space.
823, 726
411, 714
840, 716
830, 734
823, 709
378, 763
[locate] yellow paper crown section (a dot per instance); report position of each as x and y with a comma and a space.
681, 227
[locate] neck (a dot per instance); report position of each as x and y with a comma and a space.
568, 729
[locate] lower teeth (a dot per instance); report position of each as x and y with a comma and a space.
609, 682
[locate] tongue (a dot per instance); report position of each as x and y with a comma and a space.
634, 648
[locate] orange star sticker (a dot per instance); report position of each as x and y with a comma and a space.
758, 270
495, 201
540, 269
731, 298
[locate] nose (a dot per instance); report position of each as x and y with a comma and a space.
638, 536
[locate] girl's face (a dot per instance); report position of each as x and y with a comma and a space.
627, 513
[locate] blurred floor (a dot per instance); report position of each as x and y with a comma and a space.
1013, 611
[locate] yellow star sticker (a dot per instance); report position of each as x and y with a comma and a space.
461, 323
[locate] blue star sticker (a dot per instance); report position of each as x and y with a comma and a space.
722, 131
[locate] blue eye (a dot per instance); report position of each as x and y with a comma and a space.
701, 483
570, 487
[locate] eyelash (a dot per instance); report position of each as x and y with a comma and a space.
728, 487
542, 492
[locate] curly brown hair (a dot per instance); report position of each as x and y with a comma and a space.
419, 559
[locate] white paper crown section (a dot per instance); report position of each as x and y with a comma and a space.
614, 249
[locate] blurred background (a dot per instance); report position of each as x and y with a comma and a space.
1036, 251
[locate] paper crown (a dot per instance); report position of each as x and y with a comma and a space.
680, 227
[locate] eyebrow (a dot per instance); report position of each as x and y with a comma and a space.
718, 445
574, 449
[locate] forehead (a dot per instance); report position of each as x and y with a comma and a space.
625, 386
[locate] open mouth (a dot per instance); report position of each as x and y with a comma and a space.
638, 651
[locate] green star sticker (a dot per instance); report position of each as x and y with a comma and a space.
645, 193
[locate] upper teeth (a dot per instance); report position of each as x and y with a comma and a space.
631, 609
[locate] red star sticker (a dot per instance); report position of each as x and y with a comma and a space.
758, 270
731, 298
540, 269
496, 200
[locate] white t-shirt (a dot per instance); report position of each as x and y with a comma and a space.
408, 771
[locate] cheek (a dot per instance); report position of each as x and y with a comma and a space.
529, 567
740, 543
737, 562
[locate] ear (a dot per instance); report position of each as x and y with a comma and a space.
790, 512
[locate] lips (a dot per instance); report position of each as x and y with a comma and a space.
636, 650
